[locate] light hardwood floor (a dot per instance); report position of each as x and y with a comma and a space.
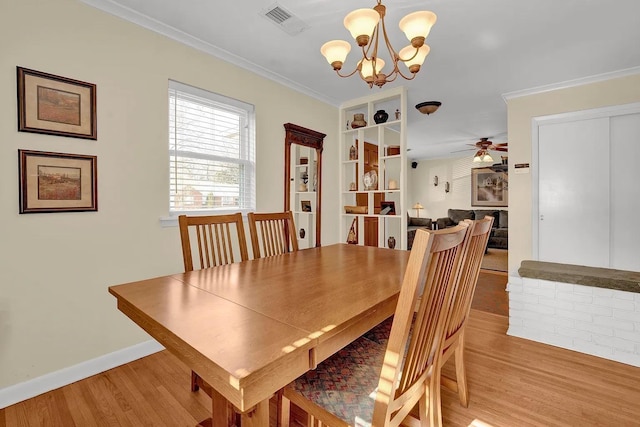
512, 382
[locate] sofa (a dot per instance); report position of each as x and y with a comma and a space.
499, 237
413, 224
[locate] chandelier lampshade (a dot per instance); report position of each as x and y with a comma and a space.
414, 59
417, 26
366, 68
367, 27
361, 23
336, 52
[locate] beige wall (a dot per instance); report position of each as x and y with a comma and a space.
436, 202
55, 310
521, 111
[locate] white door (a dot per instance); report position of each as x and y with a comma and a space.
573, 192
625, 192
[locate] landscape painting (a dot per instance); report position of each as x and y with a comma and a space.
56, 105
489, 187
57, 182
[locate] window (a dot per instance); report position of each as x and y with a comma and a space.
211, 152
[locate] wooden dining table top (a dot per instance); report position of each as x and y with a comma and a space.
250, 328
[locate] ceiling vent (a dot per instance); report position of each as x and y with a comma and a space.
284, 19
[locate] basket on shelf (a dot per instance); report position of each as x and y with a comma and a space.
355, 209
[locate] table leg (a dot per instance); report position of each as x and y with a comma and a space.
258, 416
224, 414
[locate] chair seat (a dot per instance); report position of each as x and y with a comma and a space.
345, 384
380, 333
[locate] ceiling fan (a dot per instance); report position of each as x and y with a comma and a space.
483, 146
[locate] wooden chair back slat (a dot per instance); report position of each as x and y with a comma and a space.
272, 233
214, 240
469, 274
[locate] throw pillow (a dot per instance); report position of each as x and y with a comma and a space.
504, 219
458, 215
482, 213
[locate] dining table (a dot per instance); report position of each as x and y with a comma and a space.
250, 328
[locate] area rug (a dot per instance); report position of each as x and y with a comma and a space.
496, 260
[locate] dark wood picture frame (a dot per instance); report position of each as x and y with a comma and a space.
489, 187
305, 205
387, 207
57, 182
56, 105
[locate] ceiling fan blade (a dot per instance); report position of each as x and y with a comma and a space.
466, 149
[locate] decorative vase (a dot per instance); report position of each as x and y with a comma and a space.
358, 121
302, 233
391, 242
380, 116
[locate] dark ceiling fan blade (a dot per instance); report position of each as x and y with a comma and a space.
466, 149
499, 147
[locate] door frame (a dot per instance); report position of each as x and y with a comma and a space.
536, 122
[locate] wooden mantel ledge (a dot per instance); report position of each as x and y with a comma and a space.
578, 274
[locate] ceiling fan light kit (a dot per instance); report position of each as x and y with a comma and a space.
366, 26
484, 145
428, 107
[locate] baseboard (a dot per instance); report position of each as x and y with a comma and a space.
28, 389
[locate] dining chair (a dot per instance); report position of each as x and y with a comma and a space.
373, 383
457, 322
272, 233
214, 240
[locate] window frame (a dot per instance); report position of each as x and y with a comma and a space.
247, 142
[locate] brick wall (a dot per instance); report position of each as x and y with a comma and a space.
596, 321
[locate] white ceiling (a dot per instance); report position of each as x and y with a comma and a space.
480, 50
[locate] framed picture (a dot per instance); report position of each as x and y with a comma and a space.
489, 187
305, 205
56, 105
387, 208
57, 182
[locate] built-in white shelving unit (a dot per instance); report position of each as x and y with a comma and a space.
388, 141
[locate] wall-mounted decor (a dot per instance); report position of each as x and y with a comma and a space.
57, 182
387, 208
56, 105
489, 188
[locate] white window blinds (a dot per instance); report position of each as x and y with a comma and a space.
211, 152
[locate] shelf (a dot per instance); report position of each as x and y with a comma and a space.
373, 215
388, 124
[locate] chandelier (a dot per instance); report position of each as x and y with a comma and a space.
368, 29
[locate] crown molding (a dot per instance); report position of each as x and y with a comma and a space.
571, 83
180, 36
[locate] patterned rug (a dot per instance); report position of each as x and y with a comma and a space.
496, 260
